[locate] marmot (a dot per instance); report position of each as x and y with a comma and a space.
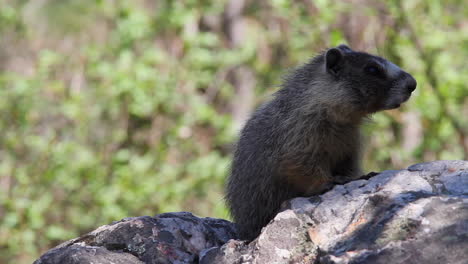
307, 137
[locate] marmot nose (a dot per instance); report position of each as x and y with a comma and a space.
410, 83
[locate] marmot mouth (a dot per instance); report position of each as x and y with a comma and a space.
392, 106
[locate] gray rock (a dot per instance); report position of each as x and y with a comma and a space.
165, 238
440, 166
78, 254
418, 215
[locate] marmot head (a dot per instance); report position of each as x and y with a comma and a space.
349, 84
370, 82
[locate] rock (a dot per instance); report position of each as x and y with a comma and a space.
418, 215
165, 238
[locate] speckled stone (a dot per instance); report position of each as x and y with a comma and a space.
417, 215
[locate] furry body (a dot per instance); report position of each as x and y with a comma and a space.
307, 138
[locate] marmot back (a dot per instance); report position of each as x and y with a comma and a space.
307, 137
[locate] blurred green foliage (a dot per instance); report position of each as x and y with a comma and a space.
113, 109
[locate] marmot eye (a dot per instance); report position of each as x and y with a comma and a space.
372, 70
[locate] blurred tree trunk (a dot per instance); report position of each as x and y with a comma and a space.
241, 77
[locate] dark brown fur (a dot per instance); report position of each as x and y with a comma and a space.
307, 138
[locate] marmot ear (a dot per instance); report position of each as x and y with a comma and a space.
344, 48
333, 61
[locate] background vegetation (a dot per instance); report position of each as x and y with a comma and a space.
112, 109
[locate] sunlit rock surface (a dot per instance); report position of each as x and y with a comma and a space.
417, 215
